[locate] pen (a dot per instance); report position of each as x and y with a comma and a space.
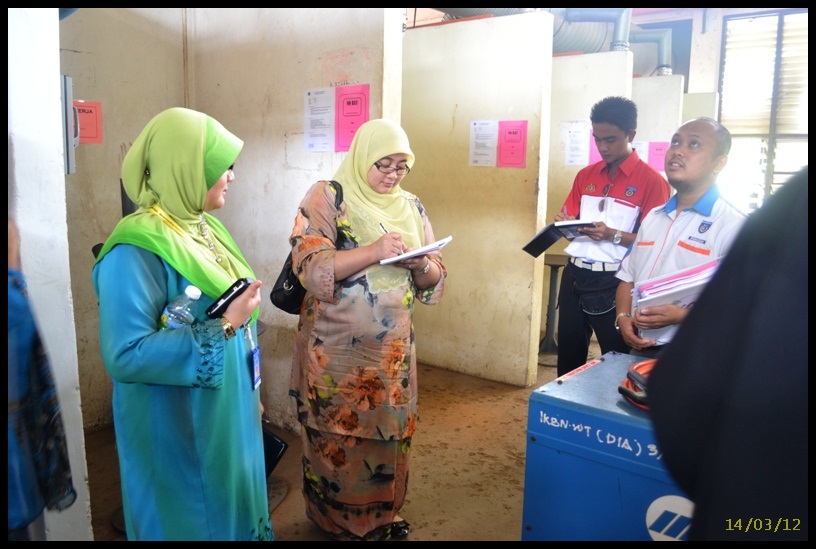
383, 228
564, 210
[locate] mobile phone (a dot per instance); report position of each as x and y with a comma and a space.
217, 309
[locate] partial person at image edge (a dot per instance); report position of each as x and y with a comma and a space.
39, 471
729, 394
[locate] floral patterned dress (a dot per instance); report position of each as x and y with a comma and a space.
354, 378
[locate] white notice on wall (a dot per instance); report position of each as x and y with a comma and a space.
642, 148
574, 139
318, 123
484, 142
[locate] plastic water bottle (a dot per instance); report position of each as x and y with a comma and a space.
180, 311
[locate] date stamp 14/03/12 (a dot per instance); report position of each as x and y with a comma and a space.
763, 525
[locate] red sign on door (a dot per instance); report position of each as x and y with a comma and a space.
89, 114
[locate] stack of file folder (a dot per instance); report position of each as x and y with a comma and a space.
679, 288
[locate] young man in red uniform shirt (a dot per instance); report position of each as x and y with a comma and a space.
615, 194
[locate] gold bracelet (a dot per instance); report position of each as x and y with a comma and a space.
229, 331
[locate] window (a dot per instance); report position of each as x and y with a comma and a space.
764, 86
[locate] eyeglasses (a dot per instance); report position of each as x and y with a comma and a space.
390, 169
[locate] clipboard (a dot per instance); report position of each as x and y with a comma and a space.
552, 233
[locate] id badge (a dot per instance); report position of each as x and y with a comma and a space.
255, 367
254, 360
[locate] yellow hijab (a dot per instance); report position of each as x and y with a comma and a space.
367, 209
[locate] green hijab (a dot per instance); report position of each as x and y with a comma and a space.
167, 172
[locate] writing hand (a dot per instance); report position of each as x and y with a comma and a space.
388, 245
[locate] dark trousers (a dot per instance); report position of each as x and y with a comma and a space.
583, 290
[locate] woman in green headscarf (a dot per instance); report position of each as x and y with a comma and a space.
186, 408
354, 378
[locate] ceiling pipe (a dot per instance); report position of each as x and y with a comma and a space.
663, 37
621, 17
573, 28
586, 29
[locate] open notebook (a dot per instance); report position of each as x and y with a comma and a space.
428, 248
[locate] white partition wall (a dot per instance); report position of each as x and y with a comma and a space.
660, 106
494, 69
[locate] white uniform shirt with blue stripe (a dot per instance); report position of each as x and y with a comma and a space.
670, 240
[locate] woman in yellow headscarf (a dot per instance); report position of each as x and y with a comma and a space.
186, 408
354, 378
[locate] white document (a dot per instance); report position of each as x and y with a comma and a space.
318, 120
428, 248
484, 143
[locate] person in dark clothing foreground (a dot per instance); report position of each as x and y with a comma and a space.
729, 395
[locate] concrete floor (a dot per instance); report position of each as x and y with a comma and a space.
467, 470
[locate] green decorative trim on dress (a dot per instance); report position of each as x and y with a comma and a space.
210, 336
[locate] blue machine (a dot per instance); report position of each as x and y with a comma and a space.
593, 469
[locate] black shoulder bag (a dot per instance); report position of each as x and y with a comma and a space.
288, 293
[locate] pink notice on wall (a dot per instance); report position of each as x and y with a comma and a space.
89, 114
512, 146
350, 112
594, 155
657, 155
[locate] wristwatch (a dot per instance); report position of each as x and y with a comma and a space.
229, 331
617, 326
617, 238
